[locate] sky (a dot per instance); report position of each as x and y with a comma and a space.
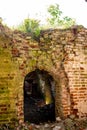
13, 12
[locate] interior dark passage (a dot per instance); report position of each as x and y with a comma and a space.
39, 97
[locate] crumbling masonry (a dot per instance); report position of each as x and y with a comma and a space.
62, 53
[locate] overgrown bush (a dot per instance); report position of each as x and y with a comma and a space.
30, 26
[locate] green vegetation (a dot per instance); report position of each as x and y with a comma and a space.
57, 20
31, 26
1, 20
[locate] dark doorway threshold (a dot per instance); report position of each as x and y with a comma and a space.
39, 97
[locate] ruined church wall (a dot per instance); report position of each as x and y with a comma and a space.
62, 53
72, 54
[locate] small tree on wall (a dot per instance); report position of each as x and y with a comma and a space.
57, 20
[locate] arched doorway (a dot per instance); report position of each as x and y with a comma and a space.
39, 97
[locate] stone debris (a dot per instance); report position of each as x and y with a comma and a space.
57, 128
58, 119
59, 124
65, 124
49, 126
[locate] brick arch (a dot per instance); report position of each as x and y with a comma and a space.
62, 96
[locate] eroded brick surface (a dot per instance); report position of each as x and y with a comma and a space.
62, 53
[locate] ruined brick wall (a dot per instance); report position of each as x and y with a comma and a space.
62, 53
69, 55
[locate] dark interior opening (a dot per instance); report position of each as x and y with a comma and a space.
39, 97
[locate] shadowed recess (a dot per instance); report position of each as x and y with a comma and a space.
39, 97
